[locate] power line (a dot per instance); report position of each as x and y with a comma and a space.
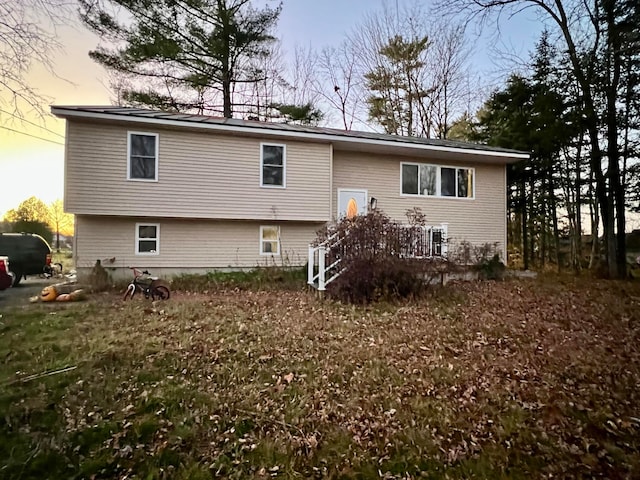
33, 136
31, 123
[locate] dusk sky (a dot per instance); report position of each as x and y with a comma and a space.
30, 166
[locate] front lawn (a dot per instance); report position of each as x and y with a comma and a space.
521, 379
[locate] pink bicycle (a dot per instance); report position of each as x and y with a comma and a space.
146, 284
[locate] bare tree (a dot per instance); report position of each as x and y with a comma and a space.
414, 70
24, 41
452, 78
269, 84
339, 84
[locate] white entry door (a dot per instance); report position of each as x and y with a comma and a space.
351, 202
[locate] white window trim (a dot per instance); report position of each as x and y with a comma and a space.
438, 182
284, 164
149, 134
262, 241
137, 246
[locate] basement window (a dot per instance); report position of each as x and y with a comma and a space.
147, 238
269, 240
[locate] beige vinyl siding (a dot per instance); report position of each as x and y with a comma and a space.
200, 175
188, 245
479, 221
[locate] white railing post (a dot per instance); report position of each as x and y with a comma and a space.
444, 239
310, 265
321, 272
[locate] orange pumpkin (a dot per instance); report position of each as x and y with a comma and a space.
48, 294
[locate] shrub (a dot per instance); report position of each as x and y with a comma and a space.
491, 269
373, 253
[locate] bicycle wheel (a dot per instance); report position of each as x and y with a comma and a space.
129, 292
161, 292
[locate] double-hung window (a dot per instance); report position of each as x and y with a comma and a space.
273, 163
436, 180
147, 238
269, 240
142, 158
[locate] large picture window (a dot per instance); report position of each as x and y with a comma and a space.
269, 240
272, 165
436, 181
142, 161
147, 239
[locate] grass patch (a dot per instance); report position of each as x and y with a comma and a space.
261, 278
516, 379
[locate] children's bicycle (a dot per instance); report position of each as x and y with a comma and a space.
150, 286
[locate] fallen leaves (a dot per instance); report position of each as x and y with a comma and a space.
265, 384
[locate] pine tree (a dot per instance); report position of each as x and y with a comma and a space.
186, 55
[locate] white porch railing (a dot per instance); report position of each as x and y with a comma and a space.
421, 242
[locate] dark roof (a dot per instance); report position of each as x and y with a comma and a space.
186, 118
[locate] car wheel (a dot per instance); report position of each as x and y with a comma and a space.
12, 276
17, 276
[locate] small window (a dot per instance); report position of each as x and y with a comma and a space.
273, 164
269, 240
147, 239
143, 157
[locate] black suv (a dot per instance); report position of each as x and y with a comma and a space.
29, 254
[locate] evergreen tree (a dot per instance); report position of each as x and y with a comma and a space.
185, 54
601, 45
396, 87
531, 114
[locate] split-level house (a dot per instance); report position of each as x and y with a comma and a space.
179, 193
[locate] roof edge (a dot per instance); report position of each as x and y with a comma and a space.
85, 112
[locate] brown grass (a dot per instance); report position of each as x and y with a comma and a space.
521, 379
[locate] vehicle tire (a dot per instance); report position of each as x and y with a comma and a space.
17, 277
161, 293
129, 292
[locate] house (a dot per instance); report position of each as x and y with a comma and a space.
188, 193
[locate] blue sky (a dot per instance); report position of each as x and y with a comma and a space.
35, 167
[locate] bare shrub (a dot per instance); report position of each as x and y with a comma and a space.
379, 259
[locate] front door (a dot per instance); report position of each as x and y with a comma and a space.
351, 202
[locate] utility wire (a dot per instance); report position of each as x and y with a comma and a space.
31, 123
33, 136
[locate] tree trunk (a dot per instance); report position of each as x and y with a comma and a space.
533, 255
578, 205
595, 231
525, 223
614, 69
544, 239
554, 217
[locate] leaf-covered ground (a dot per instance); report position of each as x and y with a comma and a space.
521, 379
